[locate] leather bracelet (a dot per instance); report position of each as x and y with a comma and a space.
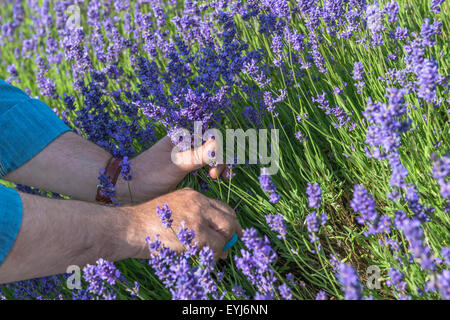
112, 171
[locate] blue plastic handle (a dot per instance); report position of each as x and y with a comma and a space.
231, 243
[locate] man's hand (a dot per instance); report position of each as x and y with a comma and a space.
57, 233
213, 222
70, 165
156, 174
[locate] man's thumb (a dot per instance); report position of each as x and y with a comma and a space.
193, 159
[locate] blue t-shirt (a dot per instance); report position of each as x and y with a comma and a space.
26, 127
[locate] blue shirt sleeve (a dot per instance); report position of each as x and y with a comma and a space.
26, 127
10, 219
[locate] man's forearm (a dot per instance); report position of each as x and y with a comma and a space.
57, 233
70, 165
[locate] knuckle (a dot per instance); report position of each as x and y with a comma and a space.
227, 223
191, 198
191, 193
225, 228
194, 207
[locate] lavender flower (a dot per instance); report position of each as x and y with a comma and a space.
322, 102
300, 136
278, 7
337, 91
358, 72
268, 186
101, 277
314, 195
11, 69
321, 295
46, 85
396, 280
239, 291
374, 18
135, 290
441, 172
384, 132
256, 262
277, 45
37, 289
270, 101
443, 284
412, 229
364, 204
185, 281
126, 172
429, 31
285, 292
108, 189
185, 235
277, 224
400, 33
435, 5
335, 262
391, 9
427, 80
165, 214
445, 253
313, 223
392, 56
349, 281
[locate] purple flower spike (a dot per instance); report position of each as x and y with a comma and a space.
126, 172
349, 280
277, 224
268, 186
314, 195
165, 214
321, 295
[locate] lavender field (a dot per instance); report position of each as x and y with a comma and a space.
358, 89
